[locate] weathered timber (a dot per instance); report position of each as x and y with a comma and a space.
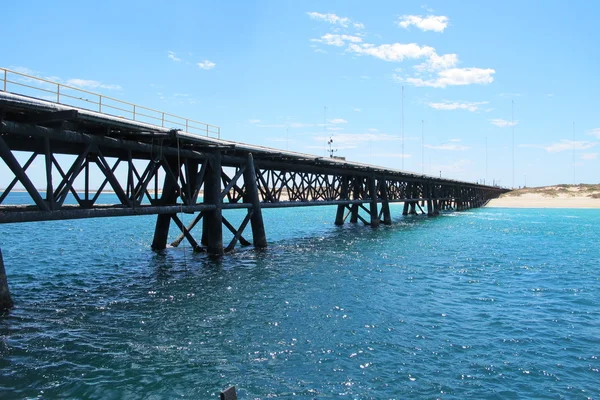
373, 203
251, 196
385, 203
5, 300
341, 208
169, 196
212, 224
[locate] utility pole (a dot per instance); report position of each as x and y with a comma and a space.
513, 143
486, 160
402, 130
573, 152
422, 147
325, 129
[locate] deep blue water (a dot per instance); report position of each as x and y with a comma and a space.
489, 303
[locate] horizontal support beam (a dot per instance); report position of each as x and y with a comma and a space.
12, 214
22, 214
120, 145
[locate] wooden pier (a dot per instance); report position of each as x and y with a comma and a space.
152, 169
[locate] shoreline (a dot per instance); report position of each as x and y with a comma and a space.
559, 196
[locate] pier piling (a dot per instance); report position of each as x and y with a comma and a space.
5, 300
212, 227
251, 196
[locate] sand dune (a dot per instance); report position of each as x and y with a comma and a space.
560, 196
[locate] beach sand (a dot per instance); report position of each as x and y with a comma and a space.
560, 196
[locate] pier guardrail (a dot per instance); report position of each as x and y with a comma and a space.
60, 93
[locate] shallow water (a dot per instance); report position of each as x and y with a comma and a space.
488, 303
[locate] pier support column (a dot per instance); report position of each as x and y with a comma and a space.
5, 300
212, 223
413, 208
429, 201
373, 208
385, 203
163, 221
355, 196
251, 196
339, 216
436, 203
408, 195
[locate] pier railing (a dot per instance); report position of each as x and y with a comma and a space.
60, 93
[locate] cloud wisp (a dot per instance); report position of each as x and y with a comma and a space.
173, 57
436, 23
335, 20
457, 105
503, 123
595, 132
206, 64
453, 77
91, 84
563, 145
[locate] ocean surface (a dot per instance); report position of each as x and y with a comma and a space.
482, 304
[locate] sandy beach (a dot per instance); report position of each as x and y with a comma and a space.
560, 196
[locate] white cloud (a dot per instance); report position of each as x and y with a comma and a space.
206, 64
453, 77
455, 105
503, 123
448, 146
437, 62
356, 109
24, 70
337, 40
173, 57
589, 156
81, 83
254, 121
331, 18
358, 25
563, 145
373, 130
338, 121
595, 132
392, 52
90, 84
436, 23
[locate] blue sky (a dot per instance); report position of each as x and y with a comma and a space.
265, 72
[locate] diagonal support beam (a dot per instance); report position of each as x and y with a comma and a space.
237, 234
16, 169
15, 180
185, 232
191, 226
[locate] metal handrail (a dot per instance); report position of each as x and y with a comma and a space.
101, 103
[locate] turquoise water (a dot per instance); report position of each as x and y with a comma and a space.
489, 303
